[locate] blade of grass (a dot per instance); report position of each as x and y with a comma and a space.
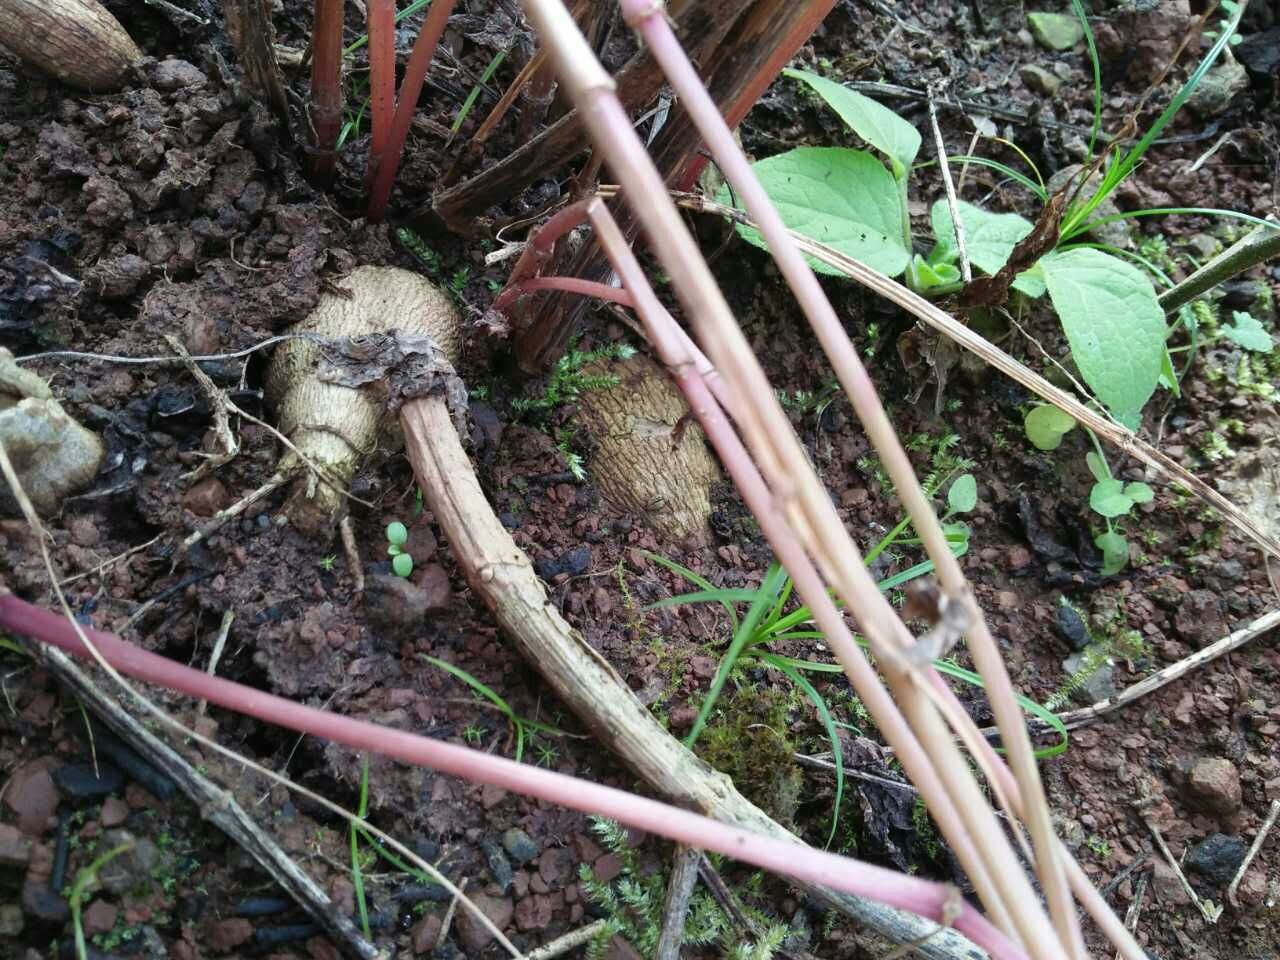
357, 872
947, 668
84, 880
469, 103
824, 712
1078, 7
742, 638
696, 580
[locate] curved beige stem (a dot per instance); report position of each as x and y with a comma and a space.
502, 576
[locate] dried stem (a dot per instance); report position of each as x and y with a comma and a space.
415, 75
797, 493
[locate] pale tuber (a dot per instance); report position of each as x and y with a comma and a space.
336, 427
54, 456
650, 457
77, 41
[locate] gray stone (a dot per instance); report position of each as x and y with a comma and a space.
1039, 80
1099, 686
499, 865
519, 845
130, 869
1202, 245
1214, 785
1218, 87
1055, 31
1071, 626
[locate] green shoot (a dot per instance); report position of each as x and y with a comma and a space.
469, 103
357, 873
85, 880
520, 725
397, 537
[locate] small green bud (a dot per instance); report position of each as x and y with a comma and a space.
397, 534
402, 564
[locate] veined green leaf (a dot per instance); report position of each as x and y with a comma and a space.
1046, 425
872, 121
843, 198
1114, 324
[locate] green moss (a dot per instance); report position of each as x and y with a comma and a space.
748, 739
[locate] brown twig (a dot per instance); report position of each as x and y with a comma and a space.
1258, 841
684, 875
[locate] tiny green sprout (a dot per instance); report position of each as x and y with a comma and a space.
326, 563
473, 734
397, 537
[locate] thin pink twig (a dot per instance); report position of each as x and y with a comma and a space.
917, 896
587, 288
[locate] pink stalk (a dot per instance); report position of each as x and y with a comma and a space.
415, 75
587, 288
924, 898
797, 493
686, 363
382, 81
781, 56
647, 18
326, 87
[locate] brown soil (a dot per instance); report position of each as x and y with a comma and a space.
178, 206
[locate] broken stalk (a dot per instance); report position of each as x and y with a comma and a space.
326, 88
415, 75
648, 19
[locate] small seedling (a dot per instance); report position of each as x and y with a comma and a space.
326, 563
397, 537
524, 728
1109, 497
85, 880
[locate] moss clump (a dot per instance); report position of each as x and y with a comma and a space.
749, 739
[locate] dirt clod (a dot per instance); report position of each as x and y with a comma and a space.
471, 933
1214, 785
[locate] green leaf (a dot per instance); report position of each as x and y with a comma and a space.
928, 275
989, 238
1115, 551
1169, 376
1046, 425
963, 495
872, 121
402, 564
1108, 498
396, 533
843, 198
1139, 492
1114, 324
1248, 333
1097, 466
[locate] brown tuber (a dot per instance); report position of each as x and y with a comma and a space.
337, 427
77, 41
52, 455
650, 457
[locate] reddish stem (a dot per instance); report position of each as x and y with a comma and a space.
415, 75
326, 87
922, 897
586, 288
787, 48
382, 81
